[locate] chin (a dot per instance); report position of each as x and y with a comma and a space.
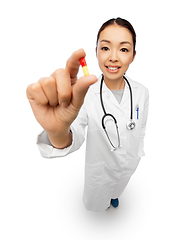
113, 76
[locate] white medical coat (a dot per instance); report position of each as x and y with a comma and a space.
106, 172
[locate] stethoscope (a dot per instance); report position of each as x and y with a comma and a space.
130, 125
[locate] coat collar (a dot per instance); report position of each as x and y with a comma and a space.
106, 89
110, 96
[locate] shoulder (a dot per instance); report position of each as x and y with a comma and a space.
94, 88
143, 90
137, 84
92, 93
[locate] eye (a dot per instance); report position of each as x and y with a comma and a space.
124, 50
105, 48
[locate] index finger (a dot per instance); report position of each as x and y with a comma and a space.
73, 63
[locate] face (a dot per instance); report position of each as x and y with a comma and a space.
115, 51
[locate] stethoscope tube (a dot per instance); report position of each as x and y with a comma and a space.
130, 124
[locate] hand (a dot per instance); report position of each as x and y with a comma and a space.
56, 100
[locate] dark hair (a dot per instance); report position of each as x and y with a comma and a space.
121, 22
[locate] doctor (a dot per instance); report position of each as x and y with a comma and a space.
65, 106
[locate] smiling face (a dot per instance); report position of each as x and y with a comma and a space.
114, 53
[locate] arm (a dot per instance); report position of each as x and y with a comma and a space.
146, 107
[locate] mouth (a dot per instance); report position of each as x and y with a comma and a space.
112, 69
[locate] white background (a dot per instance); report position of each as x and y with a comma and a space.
42, 198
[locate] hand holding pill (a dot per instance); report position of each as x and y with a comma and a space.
57, 99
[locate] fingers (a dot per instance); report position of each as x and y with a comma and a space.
80, 89
66, 78
63, 85
35, 92
43, 92
48, 86
73, 63
80, 86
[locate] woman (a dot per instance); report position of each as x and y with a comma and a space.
65, 105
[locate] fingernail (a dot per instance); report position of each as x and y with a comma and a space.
64, 104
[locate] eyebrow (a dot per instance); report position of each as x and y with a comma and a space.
124, 42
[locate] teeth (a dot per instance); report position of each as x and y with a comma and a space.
113, 68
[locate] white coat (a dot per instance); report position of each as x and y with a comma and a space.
106, 172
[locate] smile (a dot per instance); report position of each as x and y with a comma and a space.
112, 69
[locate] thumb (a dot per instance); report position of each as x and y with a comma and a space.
80, 89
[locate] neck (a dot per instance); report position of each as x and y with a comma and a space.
116, 84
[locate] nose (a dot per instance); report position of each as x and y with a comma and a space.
114, 56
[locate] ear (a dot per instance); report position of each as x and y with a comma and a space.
96, 51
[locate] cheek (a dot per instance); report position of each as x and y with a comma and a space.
101, 58
126, 61
100, 61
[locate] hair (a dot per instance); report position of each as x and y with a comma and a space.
121, 22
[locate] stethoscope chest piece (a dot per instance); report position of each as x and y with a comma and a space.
130, 125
